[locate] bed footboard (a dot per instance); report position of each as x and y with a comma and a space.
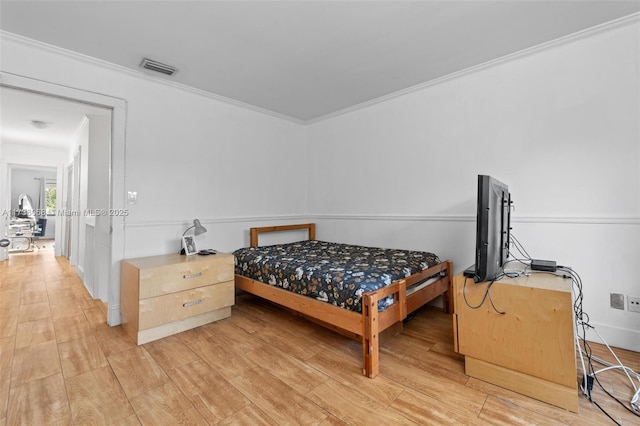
374, 322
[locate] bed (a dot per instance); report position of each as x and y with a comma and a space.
344, 293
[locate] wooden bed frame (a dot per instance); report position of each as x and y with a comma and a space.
365, 326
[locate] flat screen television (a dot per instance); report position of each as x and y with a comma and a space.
493, 220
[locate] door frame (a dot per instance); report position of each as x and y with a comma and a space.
66, 219
116, 175
73, 222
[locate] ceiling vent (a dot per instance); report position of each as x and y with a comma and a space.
155, 66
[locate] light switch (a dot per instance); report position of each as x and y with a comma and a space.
132, 196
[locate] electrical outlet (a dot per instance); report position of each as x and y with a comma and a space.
617, 300
634, 303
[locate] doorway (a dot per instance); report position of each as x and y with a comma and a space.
113, 227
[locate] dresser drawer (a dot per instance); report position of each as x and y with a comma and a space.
177, 277
176, 306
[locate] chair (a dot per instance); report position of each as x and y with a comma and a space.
41, 227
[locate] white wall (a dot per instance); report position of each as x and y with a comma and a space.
197, 158
187, 155
560, 126
23, 180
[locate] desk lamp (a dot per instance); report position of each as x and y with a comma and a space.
198, 229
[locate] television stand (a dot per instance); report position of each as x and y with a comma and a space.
530, 349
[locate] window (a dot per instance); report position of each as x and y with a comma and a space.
50, 194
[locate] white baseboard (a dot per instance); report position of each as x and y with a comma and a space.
80, 272
615, 337
115, 315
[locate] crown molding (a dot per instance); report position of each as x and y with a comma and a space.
476, 68
486, 65
139, 74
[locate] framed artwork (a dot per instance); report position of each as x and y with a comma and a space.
189, 245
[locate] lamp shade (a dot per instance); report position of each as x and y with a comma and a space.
199, 229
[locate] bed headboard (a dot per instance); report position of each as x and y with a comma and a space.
254, 232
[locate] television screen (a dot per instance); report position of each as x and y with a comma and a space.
492, 228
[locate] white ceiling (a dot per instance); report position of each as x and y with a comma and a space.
63, 118
305, 59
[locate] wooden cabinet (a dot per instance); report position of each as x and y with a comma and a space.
164, 295
529, 349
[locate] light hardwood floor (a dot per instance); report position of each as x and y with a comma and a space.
61, 364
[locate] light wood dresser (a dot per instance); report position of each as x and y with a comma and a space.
530, 348
164, 295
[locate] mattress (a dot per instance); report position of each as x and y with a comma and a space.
330, 272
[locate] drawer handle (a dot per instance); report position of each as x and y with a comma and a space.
195, 302
196, 275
